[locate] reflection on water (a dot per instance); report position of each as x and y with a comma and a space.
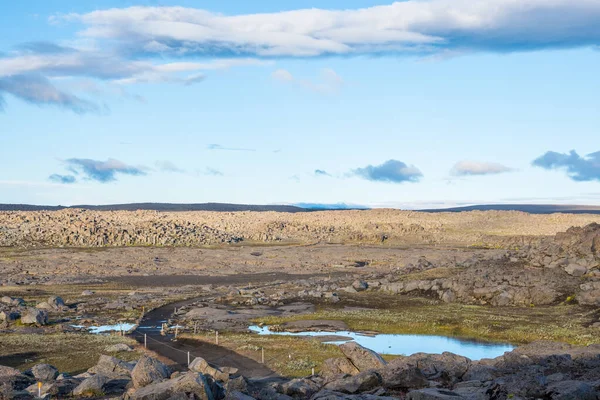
409, 344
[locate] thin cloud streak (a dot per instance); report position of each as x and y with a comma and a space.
478, 168
219, 147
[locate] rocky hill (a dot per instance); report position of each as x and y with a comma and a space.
90, 228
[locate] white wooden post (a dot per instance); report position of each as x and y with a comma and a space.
145, 341
262, 355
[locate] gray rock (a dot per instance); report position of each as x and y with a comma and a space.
571, 390
237, 384
12, 301
302, 388
149, 370
362, 382
9, 316
337, 366
449, 296
59, 389
91, 387
359, 285
34, 316
200, 365
112, 367
576, 270
433, 394
14, 379
400, 375
362, 358
44, 372
117, 348
87, 293
472, 390
190, 383
235, 395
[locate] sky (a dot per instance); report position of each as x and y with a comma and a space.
412, 104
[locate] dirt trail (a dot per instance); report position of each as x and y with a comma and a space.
178, 350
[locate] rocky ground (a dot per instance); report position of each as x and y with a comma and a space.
476, 273
541, 370
86, 228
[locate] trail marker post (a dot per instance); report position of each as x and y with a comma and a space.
145, 341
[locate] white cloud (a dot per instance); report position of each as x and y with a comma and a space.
282, 75
328, 82
467, 168
421, 26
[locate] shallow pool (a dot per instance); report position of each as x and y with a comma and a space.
408, 344
125, 327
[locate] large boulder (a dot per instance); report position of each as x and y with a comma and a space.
338, 366
200, 365
362, 382
571, 390
446, 367
14, 379
44, 372
190, 383
12, 301
112, 367
148, 371
300, 388
58, 389
9, 316
399, 375
91, 387
362, 358
33, 316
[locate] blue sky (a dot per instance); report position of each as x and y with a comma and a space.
415, 104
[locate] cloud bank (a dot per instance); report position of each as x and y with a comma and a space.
31, 73
391, 171
579, 169
475, 168
401, 27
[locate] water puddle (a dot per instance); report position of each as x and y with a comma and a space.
408, 344
125, 327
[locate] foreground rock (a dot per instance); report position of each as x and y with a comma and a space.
362, 358
541, 370
149, 371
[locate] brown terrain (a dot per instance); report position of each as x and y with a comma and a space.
489, 275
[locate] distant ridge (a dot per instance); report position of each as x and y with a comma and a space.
528, 208
223, 207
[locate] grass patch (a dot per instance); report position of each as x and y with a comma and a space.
69, 352
564, 323
288, 356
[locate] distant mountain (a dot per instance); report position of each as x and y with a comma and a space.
528, 208
334, 206
159, 207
